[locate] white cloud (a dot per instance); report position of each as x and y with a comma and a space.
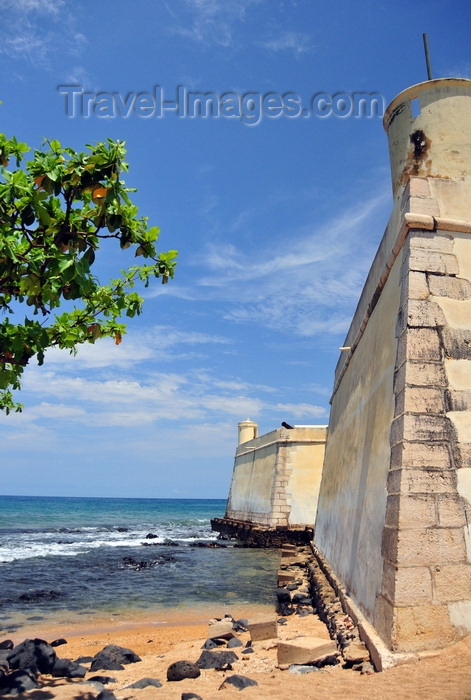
38, 30
210, 21
307, 282
296, 42
158, 343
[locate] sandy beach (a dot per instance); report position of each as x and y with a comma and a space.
446, 674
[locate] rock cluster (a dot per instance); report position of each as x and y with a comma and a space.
303, 588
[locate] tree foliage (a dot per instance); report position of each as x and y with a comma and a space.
55, 212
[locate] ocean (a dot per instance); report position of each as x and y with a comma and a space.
61, 558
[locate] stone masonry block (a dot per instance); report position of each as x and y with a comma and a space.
458, 400
415, 454
305, 650
452, 511
422, 627
433, 261
423, 205
414, 286
418, 187
389, 544
452, 582
462, 454
457, 343
384, 619
411, 511
221, 629
431, 240
434, 546
416, 373
410, 585
420, 399
452, 287
421, 481
261, 629
418, 344
410, 426
424, 314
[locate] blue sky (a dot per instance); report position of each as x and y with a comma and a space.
276, 222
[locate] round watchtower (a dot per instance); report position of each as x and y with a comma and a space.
429, 132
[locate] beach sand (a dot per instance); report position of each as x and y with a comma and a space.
161, 639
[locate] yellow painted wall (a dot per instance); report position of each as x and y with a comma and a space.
352, 498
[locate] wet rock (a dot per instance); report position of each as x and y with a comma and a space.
151, 536
239, 682
144, 683
180, 670
64, 668
36, 655
216, 659
58, 642
38, 596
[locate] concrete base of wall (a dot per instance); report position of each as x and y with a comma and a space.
255, 535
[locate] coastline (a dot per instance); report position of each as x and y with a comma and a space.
160, 643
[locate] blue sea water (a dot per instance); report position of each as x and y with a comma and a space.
99, 556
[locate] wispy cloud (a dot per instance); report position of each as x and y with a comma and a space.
210, 21
37, 30
306, 283
159, 343
296, 42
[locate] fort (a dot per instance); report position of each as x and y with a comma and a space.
383, 494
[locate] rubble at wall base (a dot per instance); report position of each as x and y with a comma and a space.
256, 535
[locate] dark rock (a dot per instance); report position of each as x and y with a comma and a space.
106, 695
102, 679
239, 682
216, 659
191, 696
234, 642
248, 643
241, 625
281, 621
249, 650
302, 599
105, 663
180, 670
112, 657
144, 683
37, 596
302, 612
151, 536
84, 659
58, 642
64, 668
292, 586
6, 644
19, 682
122, 529
36, 655
209, 644
283, 595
